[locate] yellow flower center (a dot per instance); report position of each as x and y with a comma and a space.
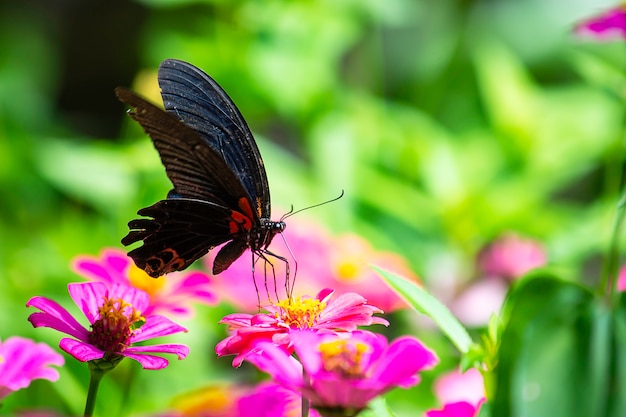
349, 269
210, 401
117, 321
300, 313
142, 281
343, 357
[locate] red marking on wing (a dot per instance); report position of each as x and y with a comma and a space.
239, 222
244, 205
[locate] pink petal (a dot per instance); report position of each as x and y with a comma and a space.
147, 361
403, 358
80, 350
156, 326
56, 317
88, 296
133, 296
460, 409
285, 369
24, 360
176, 349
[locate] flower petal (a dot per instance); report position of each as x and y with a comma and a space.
139, 299
403, 358
88, 296
174, 348
81, 350
56, 317
149, 362
156, 326
24, 360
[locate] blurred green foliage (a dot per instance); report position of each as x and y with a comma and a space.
447, 123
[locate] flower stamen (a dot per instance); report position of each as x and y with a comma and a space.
117, 322
343, 357
300, 313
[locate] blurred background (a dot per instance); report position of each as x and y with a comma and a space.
448, 124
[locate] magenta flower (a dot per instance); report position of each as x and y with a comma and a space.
458, 409
510, 257
344, 372
343, 313
341, 263
115, 316
22, 360
457, 386
171, 295
610, 24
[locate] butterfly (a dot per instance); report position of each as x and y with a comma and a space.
221, 193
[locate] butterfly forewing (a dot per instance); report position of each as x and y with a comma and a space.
211, 206
198, 101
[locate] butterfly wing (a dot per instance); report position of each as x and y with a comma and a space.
198, 101
209, 204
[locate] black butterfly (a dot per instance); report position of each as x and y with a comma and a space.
220, 193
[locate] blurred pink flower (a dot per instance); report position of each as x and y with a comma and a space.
343, 313
171, 295
344, 372
267, 399
510, 257
22, 360
475, 305
456, 386
621, 279
462, 394
339, 262
610, 24
115, 317
458, 409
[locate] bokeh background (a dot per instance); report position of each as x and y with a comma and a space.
448, 124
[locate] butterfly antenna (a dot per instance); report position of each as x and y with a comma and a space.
291, 212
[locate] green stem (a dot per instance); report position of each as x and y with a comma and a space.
609, 278
306, 404
94, 383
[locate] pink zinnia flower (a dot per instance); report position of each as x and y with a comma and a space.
462, 393
340, 262
115, 316
22, 360
510, 257
621, 279
343, 313
171, 295
458, 409
347, 372
610, 24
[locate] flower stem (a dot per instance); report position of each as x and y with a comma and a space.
98, 368
306, 404
94, 383
609, 278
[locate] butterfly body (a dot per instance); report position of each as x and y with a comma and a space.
221, 193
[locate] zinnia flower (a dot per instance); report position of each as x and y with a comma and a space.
115, 316
611, 23
462, 393
510, 257
343, 313
171, 295
340, 262
458, 409
22, 360
344, 373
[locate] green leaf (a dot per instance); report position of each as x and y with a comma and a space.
555, 346
377, 408
426, 304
